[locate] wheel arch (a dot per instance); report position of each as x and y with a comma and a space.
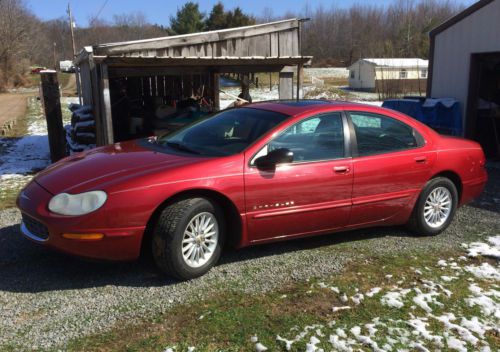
234, 229
453, 177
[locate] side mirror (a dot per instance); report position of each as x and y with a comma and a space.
273, 158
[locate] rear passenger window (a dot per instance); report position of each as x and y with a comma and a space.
378, 134
317, 138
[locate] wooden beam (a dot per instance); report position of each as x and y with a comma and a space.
106, 117
78, 85
248, 61
96, 102
137, 71
300, 80
52, 107
214, 80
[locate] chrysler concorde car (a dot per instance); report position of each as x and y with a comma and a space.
265, 172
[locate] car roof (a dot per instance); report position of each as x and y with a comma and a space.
294, 107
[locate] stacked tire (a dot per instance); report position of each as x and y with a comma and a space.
80, 135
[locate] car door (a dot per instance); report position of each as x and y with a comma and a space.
312, 194
391, 163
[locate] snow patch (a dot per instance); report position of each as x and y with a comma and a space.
394, 298
484, 271
475, 249
373, 291
423, 299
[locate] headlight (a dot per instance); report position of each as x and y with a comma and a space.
77, 204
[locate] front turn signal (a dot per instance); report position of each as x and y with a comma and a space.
83, 236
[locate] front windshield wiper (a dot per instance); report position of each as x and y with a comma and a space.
182, 147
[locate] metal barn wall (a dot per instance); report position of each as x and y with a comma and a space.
477, 33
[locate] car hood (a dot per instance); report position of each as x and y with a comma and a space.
97, 167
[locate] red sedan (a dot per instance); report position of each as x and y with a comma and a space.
265, 172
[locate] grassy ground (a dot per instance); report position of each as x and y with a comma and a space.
62, 77
10, 187
228, 321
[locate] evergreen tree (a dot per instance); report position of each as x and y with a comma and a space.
220, 19
237, 18
217, 18
188, 19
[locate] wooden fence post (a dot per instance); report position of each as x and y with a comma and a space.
51, 98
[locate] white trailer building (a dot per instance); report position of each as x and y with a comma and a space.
465, 65
371, 74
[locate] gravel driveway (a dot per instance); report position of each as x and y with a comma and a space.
47, 298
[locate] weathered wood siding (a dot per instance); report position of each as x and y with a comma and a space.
279, 39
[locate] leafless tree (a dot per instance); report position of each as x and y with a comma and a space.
16, 27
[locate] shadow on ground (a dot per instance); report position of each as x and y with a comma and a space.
27, 267
490, 198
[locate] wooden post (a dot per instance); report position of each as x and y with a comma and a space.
78, 84
214, 77
51, 97
106, 114
286, 83
300, 79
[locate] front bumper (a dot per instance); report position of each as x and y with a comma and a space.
45, 228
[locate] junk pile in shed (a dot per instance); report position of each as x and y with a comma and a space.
80, 135
156, 105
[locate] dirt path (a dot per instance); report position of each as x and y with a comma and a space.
12, 107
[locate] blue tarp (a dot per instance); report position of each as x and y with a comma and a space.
443, 115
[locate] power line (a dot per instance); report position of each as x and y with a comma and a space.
100, 10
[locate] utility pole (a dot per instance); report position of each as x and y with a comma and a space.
71, 29
77, 74
55, 59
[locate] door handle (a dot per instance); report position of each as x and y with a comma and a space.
341, 169
421, 159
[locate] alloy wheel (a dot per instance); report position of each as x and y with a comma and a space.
200, 239
437, 208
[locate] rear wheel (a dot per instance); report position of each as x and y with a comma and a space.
435, 207
188, 238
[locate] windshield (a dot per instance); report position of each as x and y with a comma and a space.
226, 133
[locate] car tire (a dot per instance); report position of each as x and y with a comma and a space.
188, 238
435, 207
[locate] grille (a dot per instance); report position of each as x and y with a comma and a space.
35, 227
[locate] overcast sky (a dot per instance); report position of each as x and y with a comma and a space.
159, 11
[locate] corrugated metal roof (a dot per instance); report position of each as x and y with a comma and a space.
398, 62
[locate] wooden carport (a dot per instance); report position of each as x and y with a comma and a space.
159, 64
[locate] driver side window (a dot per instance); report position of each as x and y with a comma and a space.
317, 138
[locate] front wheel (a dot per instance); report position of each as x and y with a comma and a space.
188, 237
435, 207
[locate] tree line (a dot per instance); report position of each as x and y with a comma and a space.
334, 36
400, 30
